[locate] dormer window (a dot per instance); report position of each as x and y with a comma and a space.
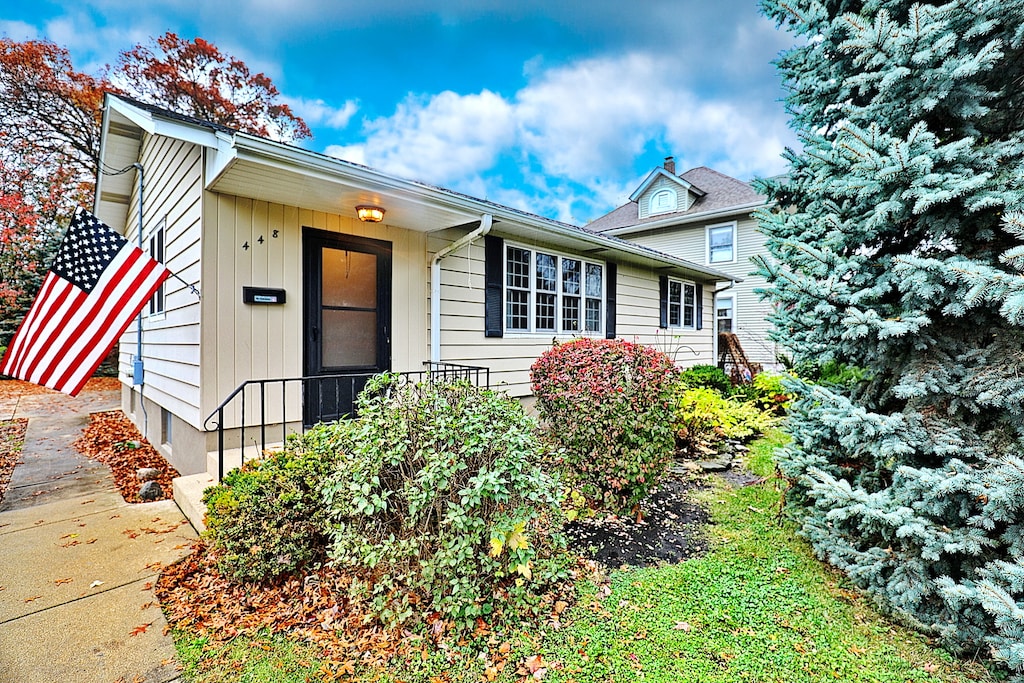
663, 201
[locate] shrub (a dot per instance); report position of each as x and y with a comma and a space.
267, 519
609, 404
441, 501
767, 391
704, 416
707, 377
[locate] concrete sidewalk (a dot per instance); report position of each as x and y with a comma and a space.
77, 563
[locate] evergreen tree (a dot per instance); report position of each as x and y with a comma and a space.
898, 247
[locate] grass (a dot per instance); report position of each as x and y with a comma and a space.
758, 607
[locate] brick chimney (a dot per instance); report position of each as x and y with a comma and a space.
670, 165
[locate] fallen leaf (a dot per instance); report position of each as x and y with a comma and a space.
33, 598
59, 582
535, 663
140, 629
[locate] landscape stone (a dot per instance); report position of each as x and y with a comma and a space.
148, 474
151, 490
716, 465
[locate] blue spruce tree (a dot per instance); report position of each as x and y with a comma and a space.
898, 248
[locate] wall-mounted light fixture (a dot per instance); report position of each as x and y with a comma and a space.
370, 214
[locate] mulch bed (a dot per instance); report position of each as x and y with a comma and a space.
670, 530
113, 440
320, 609
12, 436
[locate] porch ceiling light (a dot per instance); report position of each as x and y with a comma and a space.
370, 214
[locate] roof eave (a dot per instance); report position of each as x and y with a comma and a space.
677, 220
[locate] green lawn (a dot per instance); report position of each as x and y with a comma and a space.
757, 607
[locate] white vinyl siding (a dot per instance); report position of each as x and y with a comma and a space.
647, 205
171, 339
510, 357
750, 313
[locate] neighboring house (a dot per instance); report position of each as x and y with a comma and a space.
704, 217
293, 284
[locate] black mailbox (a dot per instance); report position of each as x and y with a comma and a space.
262, 295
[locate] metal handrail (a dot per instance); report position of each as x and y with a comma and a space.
431, 372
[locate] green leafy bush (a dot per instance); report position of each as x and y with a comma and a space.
609, 404
704, 416
442, 502
267, 519
767, 391
707, 377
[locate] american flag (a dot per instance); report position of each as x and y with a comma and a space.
98, 282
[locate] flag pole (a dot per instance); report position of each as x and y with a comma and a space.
138, 367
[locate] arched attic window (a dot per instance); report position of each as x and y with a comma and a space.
664, 201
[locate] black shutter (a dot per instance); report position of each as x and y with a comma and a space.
700, 307
609, 302
663, 300
494, 265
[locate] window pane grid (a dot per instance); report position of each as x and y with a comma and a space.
570, 314
550, 293
682, 304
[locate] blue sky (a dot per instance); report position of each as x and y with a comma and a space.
558, 108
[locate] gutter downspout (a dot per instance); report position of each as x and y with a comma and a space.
714, 316
435, 284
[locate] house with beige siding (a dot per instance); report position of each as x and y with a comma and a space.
705, 217
279, 277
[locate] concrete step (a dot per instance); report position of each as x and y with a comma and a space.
188, 494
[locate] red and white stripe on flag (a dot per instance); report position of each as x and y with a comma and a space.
97, 284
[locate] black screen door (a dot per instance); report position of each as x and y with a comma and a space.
347, 320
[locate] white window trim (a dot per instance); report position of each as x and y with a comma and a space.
161, 292
707, 242
663, 190
682, 306
532, 331
731, 296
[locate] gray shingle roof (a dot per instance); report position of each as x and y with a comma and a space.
722, 191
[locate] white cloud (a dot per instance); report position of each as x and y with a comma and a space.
440, 139
354, 153
18, 30
575, 133
317, 112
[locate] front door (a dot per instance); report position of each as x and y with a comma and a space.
347, 320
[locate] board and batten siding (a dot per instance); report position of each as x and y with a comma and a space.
259, 244
171, 339
750, 313
509, 357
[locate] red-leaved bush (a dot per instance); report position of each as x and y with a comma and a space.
609, 404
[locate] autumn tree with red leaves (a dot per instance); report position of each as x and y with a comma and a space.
47, 109
193, 77
49, 153
50, 119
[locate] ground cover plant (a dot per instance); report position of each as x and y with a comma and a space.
756, 607
608, 404
898, 249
